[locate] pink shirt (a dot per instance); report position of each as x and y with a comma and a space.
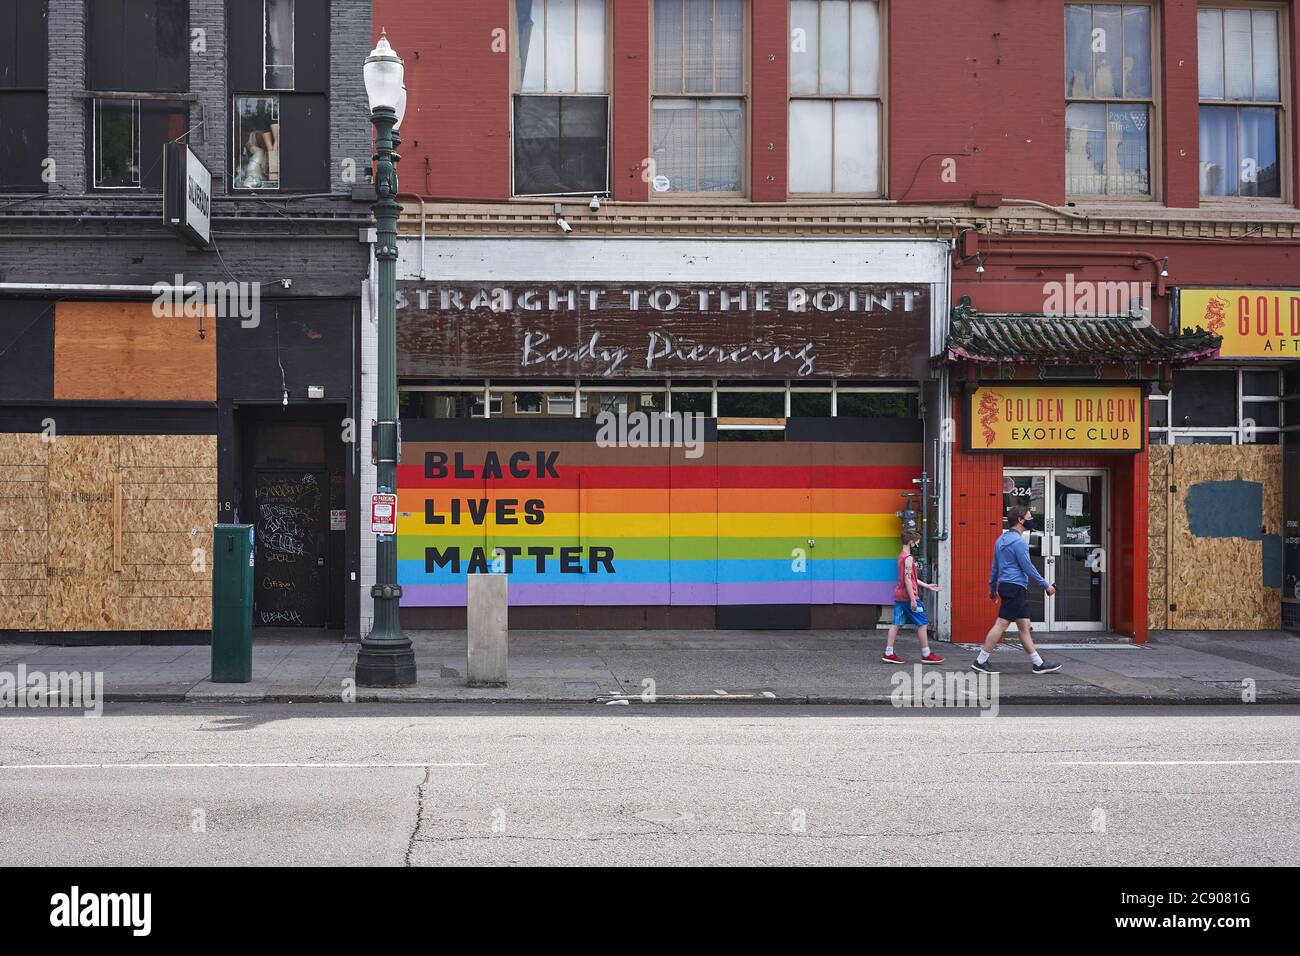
900, 590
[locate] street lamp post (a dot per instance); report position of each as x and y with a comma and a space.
386, 658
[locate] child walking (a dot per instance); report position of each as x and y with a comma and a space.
907, 604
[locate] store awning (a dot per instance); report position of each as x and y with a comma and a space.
1046, 340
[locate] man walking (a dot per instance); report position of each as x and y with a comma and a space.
1009, 581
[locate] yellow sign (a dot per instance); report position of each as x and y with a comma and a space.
1254, 323
1015, 418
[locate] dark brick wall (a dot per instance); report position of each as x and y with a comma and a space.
75, 236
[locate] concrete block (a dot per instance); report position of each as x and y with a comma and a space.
488, 627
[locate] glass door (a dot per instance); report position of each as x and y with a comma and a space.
1079, 553
1029, 490
1068, 544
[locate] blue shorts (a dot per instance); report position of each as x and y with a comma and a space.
903, 614
1015, 602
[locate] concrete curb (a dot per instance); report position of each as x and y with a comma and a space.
701, 699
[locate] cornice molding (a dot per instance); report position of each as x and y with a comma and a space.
874, 219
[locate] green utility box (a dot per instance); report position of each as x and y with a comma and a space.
232, 603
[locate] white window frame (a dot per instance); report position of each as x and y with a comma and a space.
1240, 431
743, 97
1151, 102
517, 91
1282, 106
135, 143
878, 98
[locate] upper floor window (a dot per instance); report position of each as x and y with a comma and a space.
23, 130
277, 45
835, 107
279, 85
561, 103
698, 98
1238, 52
137, 52
1109, 99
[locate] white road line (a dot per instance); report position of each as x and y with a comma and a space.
1168, 763
229, 766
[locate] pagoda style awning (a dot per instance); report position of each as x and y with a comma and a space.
1047, 340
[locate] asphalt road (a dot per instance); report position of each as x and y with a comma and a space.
650, 784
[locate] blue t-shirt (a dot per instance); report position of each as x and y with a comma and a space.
1011, 564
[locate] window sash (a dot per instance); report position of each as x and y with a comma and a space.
1222, 76
1132, 87
855, 27
133, 161
679, 41
249, 171
694, 136
598, 185
1217, 153
850, 166
562, 47
277, 71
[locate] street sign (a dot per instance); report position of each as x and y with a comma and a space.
383, 514
187, 194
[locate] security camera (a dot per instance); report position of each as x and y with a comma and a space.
285, 283
594, 205
564, 226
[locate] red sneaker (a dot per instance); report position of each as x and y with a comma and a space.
892, 659
932, 658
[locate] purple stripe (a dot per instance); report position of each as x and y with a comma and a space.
704, 594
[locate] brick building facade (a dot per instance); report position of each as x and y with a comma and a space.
1051, 146
127, 434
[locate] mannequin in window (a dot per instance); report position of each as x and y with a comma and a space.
255, 171
271, 143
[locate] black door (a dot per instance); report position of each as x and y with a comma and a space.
290, 550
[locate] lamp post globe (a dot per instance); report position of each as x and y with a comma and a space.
386, 658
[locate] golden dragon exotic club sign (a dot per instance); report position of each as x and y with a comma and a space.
1030, 418
1254, 323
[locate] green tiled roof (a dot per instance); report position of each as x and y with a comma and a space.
1006, 337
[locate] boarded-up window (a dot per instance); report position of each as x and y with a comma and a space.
122, 351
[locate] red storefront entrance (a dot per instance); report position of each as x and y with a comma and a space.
978, 481
1053, 412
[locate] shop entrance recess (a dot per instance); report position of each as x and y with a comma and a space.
1068, 544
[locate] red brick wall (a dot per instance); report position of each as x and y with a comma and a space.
977, 521
1180, 147
979, 82
630, 100
456, 132
769, 96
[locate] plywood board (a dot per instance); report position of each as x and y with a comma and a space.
121, 350
169, 451
58, 572
1157, 540
1217, 579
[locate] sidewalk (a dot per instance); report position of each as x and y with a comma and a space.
773, 666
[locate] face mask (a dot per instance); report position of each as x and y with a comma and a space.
1029, 524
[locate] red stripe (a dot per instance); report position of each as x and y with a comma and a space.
726, 476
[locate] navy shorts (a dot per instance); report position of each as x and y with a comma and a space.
1015, 602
